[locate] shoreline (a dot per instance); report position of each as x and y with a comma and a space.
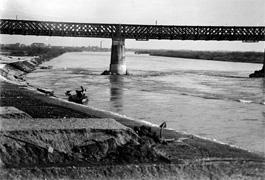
186, 156
226, 56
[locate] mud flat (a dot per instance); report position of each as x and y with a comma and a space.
56, 139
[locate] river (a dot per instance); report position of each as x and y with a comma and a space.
212, 99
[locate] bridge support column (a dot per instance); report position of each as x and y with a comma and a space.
117, 61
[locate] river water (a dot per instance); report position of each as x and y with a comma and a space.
212, 99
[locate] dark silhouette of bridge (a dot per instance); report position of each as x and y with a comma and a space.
120, 32
132, 31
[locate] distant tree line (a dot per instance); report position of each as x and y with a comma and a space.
249, 57
36, 49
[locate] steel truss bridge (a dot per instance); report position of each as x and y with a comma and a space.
132, 31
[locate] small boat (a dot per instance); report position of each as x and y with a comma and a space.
80, 97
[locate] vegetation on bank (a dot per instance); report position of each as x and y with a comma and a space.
248, 57
35, 49
41, 52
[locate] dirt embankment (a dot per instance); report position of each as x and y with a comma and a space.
73, 147
46, 151
82, 153
15, 70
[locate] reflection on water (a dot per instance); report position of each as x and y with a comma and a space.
263, 92
116, 92
263, 86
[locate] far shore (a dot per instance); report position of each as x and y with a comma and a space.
229, 56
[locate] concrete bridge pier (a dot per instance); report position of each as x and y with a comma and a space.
117, 61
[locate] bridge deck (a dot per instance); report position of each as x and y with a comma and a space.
132, 31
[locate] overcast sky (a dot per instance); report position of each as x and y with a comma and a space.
175, 12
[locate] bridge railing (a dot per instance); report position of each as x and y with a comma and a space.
132, 31
194, 32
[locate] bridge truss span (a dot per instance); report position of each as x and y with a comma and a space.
132, 31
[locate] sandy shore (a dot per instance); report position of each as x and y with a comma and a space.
59, 139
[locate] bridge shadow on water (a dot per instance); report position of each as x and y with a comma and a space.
116, 92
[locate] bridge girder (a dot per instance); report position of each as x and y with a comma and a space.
132, 31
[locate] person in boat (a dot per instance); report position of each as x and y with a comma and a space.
80, 97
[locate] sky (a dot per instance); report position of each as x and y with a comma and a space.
165, 12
